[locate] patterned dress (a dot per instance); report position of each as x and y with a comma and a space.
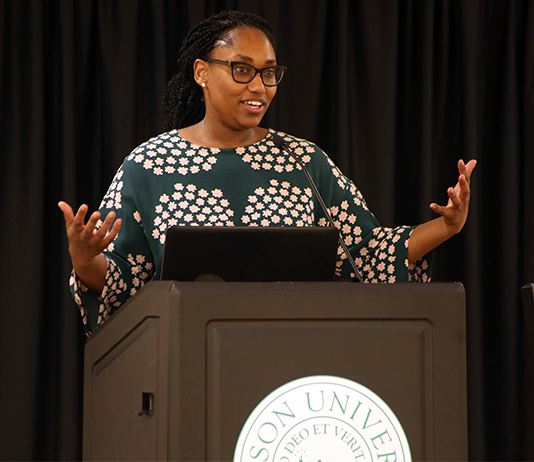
169, 181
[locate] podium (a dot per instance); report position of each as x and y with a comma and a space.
175, 372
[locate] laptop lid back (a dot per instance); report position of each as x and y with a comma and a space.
250, 254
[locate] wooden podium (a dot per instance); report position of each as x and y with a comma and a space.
175, 373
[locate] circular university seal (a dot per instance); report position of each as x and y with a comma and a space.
322, 419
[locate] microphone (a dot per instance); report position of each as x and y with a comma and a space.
282, 145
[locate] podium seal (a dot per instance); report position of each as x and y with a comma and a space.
322, 419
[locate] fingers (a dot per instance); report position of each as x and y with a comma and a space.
109, 238
88, 232
79, 218
467, 169
106, 225
455, 198
437, 208
455, 202
89, 228
471, 166
462, 188
68, 214
76, 222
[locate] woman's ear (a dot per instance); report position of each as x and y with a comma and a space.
200, 71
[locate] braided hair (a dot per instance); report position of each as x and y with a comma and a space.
183, 97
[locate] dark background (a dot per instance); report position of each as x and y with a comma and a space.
394, 91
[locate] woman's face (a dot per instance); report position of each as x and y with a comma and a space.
234, 105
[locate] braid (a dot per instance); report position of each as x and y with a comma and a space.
183, 97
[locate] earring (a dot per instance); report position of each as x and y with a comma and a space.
203, 84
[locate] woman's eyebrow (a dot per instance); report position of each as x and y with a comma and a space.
249, 59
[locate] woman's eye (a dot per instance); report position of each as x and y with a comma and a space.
242, 69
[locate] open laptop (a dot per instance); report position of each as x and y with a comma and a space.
249, 254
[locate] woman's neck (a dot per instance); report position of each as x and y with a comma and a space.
221, 137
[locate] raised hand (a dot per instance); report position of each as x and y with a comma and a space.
86, 243
430, 234
455, 212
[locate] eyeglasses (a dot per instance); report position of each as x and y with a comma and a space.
245, 73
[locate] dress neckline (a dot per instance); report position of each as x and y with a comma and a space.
268, 136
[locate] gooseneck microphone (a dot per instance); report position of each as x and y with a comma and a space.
282, 145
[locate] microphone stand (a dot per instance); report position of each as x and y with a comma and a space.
282, 145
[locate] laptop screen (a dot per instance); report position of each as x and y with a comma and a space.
249, 254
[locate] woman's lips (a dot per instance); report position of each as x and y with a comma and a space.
254, 106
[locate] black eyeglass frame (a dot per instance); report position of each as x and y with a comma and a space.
232, 64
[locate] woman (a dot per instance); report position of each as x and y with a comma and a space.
216, 166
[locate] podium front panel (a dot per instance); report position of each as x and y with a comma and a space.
222, 348
247, 360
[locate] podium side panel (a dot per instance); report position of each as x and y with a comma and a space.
119, 381
125, 395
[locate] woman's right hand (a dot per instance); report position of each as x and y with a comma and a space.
86, 243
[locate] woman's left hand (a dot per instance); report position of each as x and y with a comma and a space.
455, 212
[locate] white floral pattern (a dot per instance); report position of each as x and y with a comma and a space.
192, 206
169, 154
113, 198
279, 205
268, 157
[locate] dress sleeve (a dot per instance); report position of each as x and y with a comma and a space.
129, 258
381, 254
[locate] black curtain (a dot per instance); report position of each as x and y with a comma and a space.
394, 91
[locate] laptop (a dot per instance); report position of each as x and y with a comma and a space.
249, 254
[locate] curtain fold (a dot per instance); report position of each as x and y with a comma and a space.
395, 92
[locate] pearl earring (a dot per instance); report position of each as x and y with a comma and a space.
203, 84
